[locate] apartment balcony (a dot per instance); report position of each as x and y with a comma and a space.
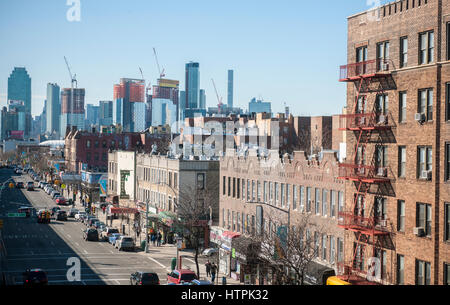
366, 121
373, 226
363, 173
367, 69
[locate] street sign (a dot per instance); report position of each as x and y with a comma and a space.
63, 186
16, 214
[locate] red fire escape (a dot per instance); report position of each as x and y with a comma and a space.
369, 77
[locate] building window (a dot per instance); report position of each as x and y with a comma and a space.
288, 195
104, 144
332, 203
400, 269
316, 244
380, 210
243, 189
317, 198
332, 249
277, 193
423, 217
381, 105
425, 104
424, 161
324, 202
88, 143
446, 274
283, 198
426, 45
401, 161
295, 202
228, 219
361, 56
340, 248
447, 222
324, 247
340, 204
403, 52
266, 195
253, 190
201, 181
401, 216
382, 56
447, 162
423, 272
234, 221
381, 157
175, 180
248, 190
302, 198
402, 107
358, 262
271, 192
238, 188
447, 97
238, 216
88, 156
448, 40
259, 191
308, 199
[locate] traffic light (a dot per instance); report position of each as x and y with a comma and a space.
93, 209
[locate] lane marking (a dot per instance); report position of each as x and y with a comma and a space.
154, 260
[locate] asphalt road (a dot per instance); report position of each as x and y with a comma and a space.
49, 246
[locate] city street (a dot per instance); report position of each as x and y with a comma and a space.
49, 246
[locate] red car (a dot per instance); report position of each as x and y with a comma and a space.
179, 275
61, 200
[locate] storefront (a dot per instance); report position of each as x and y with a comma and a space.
244, 260
224, 241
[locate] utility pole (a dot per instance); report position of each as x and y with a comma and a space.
146, 226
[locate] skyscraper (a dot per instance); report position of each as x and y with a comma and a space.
53, 110
258, 106
192, 85
230, 89
92, 117
127, 92
166, 89
105, 113
44, 118
69, 118
19, 89
202, 104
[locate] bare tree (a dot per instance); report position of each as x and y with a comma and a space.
194, 207
286, 250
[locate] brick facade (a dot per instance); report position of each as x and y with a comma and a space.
420, 17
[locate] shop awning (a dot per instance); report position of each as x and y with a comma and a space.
123, 211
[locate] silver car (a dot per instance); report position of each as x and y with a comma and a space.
125, 242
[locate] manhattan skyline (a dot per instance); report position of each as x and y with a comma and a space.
278, 51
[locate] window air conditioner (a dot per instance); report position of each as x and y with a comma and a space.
424, 175
419, 231
382, 119
419, 117
385, 66
382, 172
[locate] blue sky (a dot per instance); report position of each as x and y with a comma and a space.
284, 51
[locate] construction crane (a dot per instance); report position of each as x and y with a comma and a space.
219, 99
148, 88
161, 73
73, 79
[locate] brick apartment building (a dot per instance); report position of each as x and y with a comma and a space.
398, 142
296, 185
92, 147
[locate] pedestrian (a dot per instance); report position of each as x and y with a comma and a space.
158, 239
213, 272
82, 202
153, 238
208, 268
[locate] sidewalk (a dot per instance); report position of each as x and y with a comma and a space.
165, 252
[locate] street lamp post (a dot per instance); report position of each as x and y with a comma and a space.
288, 212
146, 226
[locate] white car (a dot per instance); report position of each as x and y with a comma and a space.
79, 215
210, 251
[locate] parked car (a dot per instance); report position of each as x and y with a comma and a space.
61, 200
30, 186
113, 237
99, 224
55, 210
91, 221
144, 278
124, 243
61, 215
210, 251
29, 211
90, 234
32, 277
19, 185
201, 282
55, 194
80, 215
179, 275
72, 212
108, 232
